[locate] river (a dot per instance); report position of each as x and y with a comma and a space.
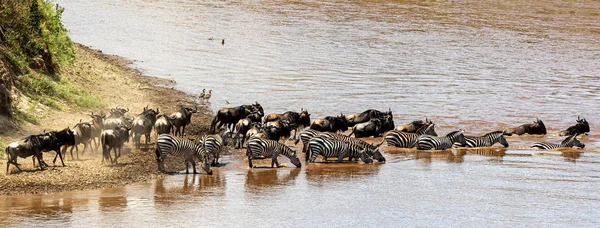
479, 66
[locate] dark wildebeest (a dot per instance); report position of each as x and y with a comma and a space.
181, 119
58, 139
366, 116
230, 116
243, 126
275, 130
368, 129
535, 128
412, 127
163, 124
142, 125
116, 117
29, 146
298, 121
113, 139
330, 124
582, 127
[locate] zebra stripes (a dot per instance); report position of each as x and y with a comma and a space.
328, 147
428, 142
306, 136
486, 140
167, 144
371, 151
212, 145
408, 140
258, 147
570, 141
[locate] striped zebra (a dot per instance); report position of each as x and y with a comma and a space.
372, 149
486, 140
168, 144
212, 145
306, 136
328, 147
259, 147
406, 139
428, 142
570, 141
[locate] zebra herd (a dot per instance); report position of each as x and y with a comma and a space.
320, 137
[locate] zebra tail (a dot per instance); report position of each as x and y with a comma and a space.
307, 153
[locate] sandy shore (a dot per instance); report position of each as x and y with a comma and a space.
111, 79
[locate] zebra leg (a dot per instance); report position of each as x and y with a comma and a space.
194, 166
187, 166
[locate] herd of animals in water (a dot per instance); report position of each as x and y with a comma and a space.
246, 126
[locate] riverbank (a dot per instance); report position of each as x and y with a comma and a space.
114, 82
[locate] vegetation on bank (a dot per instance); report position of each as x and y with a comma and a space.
34, 48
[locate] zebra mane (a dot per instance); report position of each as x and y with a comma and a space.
569, 139
452, 133
493, 133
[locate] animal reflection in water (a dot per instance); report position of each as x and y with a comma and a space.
323, 173
266, 178
41, 206
171, 190
112, 198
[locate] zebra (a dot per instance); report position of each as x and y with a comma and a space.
372, 150
486, 140
306, 136
406, 139
212, 145
168, 144
570, 141
329, 147
258, 147
428, 142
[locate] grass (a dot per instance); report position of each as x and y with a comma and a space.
56, 93
2, 146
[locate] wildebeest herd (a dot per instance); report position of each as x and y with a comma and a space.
264, 136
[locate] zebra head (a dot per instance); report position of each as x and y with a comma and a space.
364, 156
427, 129
206, 166
457, 136
572, 141
294, 160
502, 140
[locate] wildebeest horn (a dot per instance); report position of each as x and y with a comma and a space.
157, 111
127, 110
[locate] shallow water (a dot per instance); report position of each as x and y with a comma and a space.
477, 66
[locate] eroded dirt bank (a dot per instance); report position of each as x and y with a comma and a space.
112, 80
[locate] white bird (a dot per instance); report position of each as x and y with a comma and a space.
208, 95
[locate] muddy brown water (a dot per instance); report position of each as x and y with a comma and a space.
480, 66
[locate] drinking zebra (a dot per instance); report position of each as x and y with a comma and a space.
428, 142
212, 145
168, 144
258, 147
570, 141
372, 152
406, 139
328, 147
486, 140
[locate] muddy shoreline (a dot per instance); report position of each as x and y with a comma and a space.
115, 82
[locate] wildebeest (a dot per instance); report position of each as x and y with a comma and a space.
298, 121
413, 126
29, 146
367, 115
367, 129
142, 125
116, 117
582, 127
243, 126
330, 124
83, 134
113, 139
58, 140
181, 119
275, 130
163, 124
535, 128
230, 116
